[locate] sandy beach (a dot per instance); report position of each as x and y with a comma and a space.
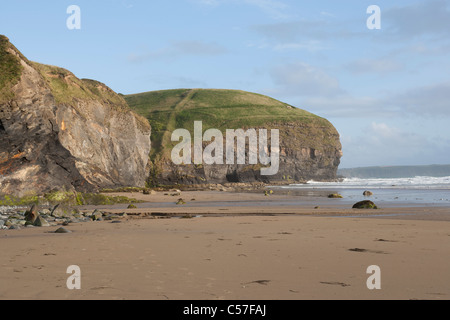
234, 246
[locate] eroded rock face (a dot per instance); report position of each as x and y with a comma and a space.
302, 158
57, 131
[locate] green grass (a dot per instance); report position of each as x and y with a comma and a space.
67, 89
66, 198
168, 110
10, 70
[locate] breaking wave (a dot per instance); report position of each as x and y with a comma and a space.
394, 183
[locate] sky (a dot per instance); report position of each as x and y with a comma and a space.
386, 90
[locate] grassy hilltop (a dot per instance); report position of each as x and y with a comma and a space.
168, 110
310, 146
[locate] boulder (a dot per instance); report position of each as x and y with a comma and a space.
367, 193
97, 215
366, 204
32, 214
41, 222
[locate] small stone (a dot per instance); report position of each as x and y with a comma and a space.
14, 227
63, 230
60, 212
132, 206
77, 215
96, 215
111, 217
87, 214
180, 202
45, 212
41, 222
367, 193
335, 196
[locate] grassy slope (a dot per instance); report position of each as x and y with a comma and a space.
10, 70
66, 88
168, 110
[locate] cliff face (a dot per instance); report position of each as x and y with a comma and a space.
57, 131
309, 145
299, 161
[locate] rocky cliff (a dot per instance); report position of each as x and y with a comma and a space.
58, 131
309, 145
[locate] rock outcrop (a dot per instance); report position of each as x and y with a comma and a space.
310, 147
60, 132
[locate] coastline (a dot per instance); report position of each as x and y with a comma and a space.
251, 250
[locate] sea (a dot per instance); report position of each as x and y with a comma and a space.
413, 191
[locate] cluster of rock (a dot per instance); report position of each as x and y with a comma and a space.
19, 217
366, 204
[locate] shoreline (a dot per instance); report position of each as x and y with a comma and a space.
256, 203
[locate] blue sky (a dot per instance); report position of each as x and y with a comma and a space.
387, 91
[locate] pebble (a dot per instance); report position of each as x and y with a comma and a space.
63, 230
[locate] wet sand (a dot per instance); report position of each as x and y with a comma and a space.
257, 252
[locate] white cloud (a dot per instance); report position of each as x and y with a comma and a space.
274, 8
379, 66
347, 106
301, 80
178, 49
383, 144
431, 100
426, 18
312, 46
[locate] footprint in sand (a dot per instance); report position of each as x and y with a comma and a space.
365, 250
261, 282
334, 283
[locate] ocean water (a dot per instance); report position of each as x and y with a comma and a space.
396, 191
